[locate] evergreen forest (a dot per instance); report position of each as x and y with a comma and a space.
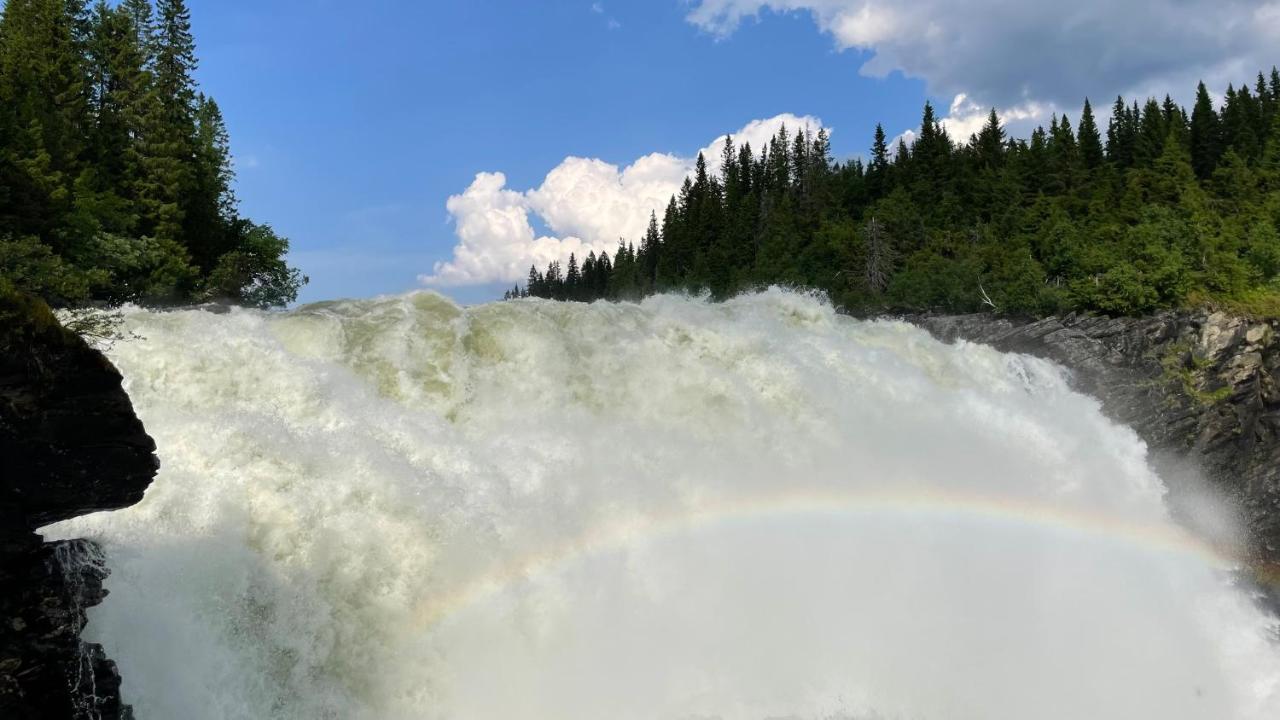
1161, 208
116, 175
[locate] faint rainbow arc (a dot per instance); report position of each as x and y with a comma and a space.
1159, 534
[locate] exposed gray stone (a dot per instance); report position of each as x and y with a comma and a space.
1196, 386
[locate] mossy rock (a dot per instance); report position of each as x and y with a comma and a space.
26, 320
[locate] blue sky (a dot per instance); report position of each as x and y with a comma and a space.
353, 124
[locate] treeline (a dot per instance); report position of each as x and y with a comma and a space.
115, 170
1167, 207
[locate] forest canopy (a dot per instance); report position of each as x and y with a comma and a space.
116, 176
1161, 209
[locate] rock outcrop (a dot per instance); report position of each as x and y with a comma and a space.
70, 444
1203, 386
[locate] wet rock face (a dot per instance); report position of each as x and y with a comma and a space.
45, 669
1196, 386
70, 444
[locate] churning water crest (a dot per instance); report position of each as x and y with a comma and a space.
400, 508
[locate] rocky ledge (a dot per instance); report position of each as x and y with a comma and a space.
70, 444
1201, 386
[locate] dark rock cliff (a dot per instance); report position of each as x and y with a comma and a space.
70, 444
1195, 385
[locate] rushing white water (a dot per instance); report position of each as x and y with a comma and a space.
399, 508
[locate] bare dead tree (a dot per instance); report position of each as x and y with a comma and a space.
878, 259
986, 299
100, 327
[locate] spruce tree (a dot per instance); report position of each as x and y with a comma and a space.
1044, 224
143, 16
210, 215
1122, 132
114, 151
1064, 157
572, 279
878, 168
1152, 133
990, 142
1205, 134
730, 176
650, 248
533, 282
108, 163
44, 120
1089, 139
1239, 123
170, 125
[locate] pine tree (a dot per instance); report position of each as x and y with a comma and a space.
105, 153
730, 175
588, 283
572, 279
924, 143
1122, 132
929, 156
1239, 122
1052, 222
1269, 166
210, 214
44, 119
1035, 161
1152, 133
1064, 157
143, 17
800, 178
604, 269
779, 162
1205, 135
675, 259
650, 249
878, 168
114, 155
1089, 139
170, 131
990, 142
533, 285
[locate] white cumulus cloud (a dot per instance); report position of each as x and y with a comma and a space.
587, 203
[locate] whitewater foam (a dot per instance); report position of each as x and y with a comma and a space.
401, 508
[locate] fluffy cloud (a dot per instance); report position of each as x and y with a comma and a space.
495, 239
592, 199
1032, 57
587, 203
967, 117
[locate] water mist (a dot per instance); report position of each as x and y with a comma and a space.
400, 508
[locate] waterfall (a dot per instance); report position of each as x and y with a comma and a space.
403, 508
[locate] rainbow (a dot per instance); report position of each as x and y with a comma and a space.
1159, 535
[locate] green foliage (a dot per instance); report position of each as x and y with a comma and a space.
1262, 250
1173, 208
1183, 368
255, 273
932, 281
28, 265
144, 269
115, 172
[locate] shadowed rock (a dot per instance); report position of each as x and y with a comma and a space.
70, 444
